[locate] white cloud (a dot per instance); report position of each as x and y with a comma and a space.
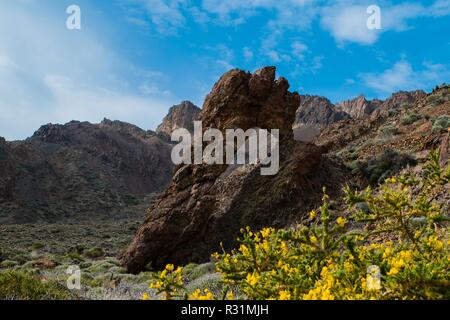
57, 75
402, 76
248, 53
166, 16
346, 20
299, 49
348, 23
440, 8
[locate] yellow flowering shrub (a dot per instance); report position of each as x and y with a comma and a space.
395, 246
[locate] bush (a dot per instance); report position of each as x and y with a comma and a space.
388, 131
441, 123
386, 164
94, 253
16, 285
389, 256
410, 118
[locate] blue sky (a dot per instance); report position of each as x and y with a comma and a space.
133, 59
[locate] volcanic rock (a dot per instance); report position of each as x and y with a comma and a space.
208, 205
314, 114
179, 116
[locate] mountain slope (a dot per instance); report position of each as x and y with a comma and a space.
80, 169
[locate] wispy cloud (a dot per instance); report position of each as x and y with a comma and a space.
51, 74
344, 19
402, 76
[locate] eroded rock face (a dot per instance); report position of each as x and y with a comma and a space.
357, 108
314, 114
206, 205
179, 116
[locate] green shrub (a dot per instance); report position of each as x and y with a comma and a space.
16, 285
94, 253
441, 123
410, 118
37, 246
372, 249
386, 164
388, 131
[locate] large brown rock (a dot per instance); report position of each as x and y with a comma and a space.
207, 205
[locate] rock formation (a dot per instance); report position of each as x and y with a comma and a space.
357, 108
314, 114
179, 116
207, 205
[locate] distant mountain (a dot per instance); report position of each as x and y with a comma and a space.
179, 116
313, 114
79, 169
316, 112
358, 108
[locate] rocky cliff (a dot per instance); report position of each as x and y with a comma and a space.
313, 115
179, 116
207, 205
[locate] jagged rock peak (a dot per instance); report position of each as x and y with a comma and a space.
244, 100
313, 114
357, 108
182, 115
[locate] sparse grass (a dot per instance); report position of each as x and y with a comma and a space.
15, 285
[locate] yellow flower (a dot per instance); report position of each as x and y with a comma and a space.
252, 279
266, 245
341, 222
265, 233
435, 243
285, 295
393, 271
170, 267
244, 250
178, 271
312, 214
387, 252
145, 296
156, 285
163, 274
313, 239
198, 295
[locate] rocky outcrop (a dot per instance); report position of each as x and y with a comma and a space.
207, 205
403, 99
79, 169
314, 114
397, 101
179, 116
357, 108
